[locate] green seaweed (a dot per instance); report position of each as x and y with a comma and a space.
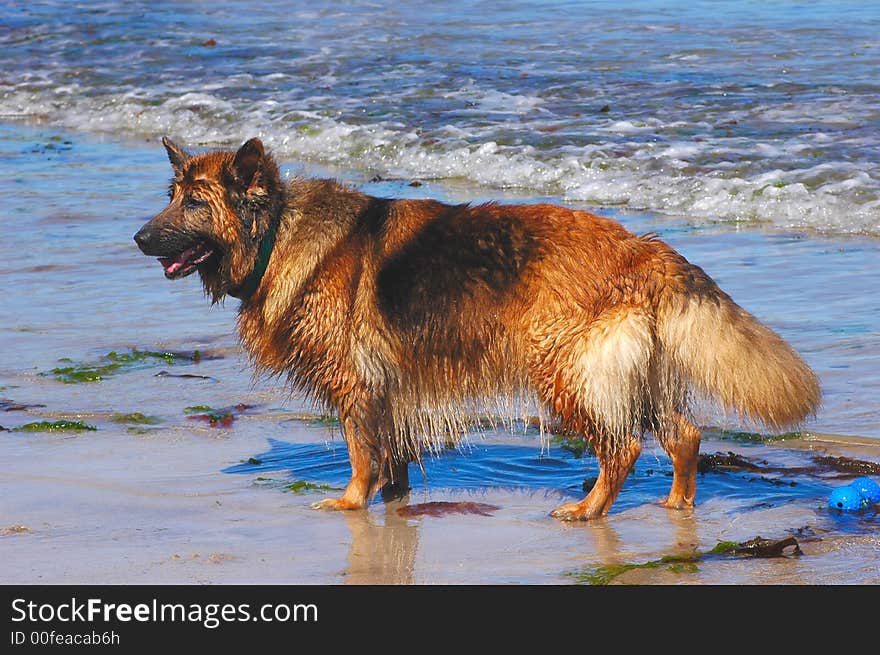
724, 547
197, 409
168, 357
603, 574
324, 420
267, 482
116, 362
82, 373
139, 429
55, 426
683, 567
756, 437
302, 486
135, 417
574, 444
254, 461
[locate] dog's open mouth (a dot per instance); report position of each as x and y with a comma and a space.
186, 262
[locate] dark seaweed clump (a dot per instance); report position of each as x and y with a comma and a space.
224, 417
8, 405
822, 466
847, 465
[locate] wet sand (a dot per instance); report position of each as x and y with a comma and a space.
182, 501
115, 508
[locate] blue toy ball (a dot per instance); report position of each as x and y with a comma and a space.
847, 498
867, 488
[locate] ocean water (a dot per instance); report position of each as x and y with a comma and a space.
757, 112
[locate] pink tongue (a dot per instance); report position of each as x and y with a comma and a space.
173, 265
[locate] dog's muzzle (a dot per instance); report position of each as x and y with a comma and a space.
178, 259
146, 240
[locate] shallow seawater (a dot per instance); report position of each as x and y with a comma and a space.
166, 497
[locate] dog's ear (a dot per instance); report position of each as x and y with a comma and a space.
248, 163
176, 155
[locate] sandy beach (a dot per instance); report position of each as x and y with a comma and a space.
162, 508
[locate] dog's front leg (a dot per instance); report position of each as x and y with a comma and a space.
364, 474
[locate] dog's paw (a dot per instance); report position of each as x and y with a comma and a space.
336, 504
327, 503
573, 512
568, 512
678, 503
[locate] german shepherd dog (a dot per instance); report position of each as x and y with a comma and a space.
410, 317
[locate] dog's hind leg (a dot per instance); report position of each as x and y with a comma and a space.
612, 474
364, 474
594, 379
397, 484
681, 440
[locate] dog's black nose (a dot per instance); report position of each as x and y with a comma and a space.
143, 237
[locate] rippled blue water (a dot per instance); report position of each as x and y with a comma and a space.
478, 467
716, 111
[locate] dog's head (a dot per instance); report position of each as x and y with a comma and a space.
221, 205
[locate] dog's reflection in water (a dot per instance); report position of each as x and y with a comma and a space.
381, 552
383, 549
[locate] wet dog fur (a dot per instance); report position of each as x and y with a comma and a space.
411, 318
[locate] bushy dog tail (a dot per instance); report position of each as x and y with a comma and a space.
722, 351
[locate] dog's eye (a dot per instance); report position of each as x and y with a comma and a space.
194, 203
